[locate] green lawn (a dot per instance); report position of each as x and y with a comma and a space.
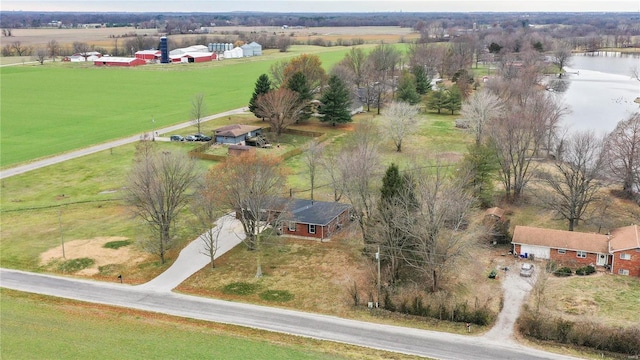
37, 327
57, 107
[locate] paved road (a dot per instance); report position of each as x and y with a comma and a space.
193, 257
384, 337
100, 147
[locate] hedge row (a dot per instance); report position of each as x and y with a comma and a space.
589, 334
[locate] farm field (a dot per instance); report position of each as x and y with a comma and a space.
58, 107
42, 327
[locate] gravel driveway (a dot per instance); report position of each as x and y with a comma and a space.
515, 290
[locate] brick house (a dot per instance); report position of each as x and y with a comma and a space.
619, 251
314, 219
306, 218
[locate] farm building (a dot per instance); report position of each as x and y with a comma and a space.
233, 53
189, 50
118, 61
257, 48
253, 49
89, 56
192, 57
148, 55
619, 251
236, 134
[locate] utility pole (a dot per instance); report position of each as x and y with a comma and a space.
61, 234
378, 258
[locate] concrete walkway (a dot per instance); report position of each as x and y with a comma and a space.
194, 256
5, 173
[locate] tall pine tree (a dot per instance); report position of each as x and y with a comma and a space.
298, 83
407, 90
335, 102
263, 86
423, 84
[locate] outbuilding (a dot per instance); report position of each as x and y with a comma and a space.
118, 61
236, 134
148, 55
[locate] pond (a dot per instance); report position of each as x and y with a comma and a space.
599, 90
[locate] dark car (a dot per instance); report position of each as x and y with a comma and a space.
202, 137
176, 138
190, 138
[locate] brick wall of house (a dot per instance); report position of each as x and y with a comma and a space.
633, 265
303, 230
569, 258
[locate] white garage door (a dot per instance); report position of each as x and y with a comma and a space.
539, 252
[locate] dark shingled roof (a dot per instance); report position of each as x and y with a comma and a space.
308, 211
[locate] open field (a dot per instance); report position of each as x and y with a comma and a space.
605, 298
42, 327
60, 107
99, 37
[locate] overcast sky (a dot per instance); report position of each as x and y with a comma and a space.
324, 6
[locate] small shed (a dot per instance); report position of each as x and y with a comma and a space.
494, 213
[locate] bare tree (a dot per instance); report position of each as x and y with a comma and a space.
328, 163
7, 31
357, 164
251, 186
210, 218
400, 120
635, 72
384, 60
312, 158
355, 61
280, 108
81, 48
40, 55
517, 136
198, 109
438, 229
479, 110
623, 153
561, 55
53, 49
277, 72
157, 189
575, 181
20, 49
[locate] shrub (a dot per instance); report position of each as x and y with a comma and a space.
388, 302
276, 295
563, 271
73, 265
240, 288
585, 270
117, 244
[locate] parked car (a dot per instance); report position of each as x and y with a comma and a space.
190, 138
526, 270
176, 138
202, 137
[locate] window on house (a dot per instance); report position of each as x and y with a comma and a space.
562, 251
623, 272
292, 226
625, 256
581, 254
312, 229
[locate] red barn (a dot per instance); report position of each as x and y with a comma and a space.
118, 61
193, 57
148, 55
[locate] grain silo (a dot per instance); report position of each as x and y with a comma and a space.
164, 50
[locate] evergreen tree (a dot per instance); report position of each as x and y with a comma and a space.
335, 102
480, 168
453, 100
423, 85
407, 90
263, 86
436, 99
298, 83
